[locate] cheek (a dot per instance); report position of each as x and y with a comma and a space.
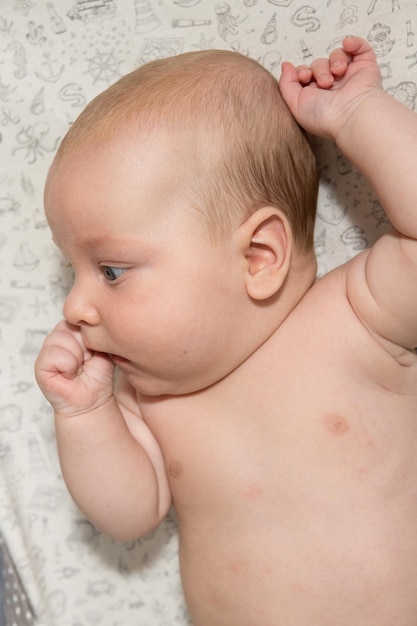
184, 309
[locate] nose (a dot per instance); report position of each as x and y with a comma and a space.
79, 307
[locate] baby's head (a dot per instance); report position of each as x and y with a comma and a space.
184, 198
247, 149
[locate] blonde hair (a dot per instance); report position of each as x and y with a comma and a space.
231, 106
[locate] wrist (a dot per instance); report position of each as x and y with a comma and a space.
97, 409
354, 124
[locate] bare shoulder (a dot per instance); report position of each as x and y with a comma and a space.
337, 331
357, 304
363, 311
381, 287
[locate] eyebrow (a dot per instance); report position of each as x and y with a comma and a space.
102, 239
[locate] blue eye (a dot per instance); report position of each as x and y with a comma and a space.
112, 273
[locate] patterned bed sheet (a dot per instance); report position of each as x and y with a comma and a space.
57, 570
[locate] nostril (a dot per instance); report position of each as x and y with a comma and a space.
81, 316
78, 311
80, 304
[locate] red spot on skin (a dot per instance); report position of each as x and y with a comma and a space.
239, 569
303, 590
175, 469
252, 491
336, 425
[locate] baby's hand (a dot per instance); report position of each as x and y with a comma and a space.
73, 379
322, 97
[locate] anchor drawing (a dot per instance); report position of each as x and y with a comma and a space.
53, 76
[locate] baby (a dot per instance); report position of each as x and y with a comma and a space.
201, 364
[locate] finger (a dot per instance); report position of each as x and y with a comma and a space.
61, 338
304, 74
64, 362
356, 46
339, 61
289, 84
322, 73
288, 73
75, 332
55, 361
62, 354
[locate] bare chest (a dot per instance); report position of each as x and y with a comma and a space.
322, 406
306, 497
296, 477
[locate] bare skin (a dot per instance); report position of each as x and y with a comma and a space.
284, 434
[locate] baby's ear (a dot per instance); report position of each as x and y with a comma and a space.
267, 251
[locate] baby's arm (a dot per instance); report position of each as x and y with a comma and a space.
341, 98
118, 480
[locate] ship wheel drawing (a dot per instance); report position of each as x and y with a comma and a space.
103, 67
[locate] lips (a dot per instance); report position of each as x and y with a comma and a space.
118, 360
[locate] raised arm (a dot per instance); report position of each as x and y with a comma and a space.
341, 98
110, 461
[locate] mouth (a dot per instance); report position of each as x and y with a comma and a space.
118, 360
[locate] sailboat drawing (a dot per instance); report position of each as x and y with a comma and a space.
25, 259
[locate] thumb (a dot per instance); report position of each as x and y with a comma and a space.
289, 85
